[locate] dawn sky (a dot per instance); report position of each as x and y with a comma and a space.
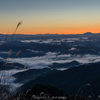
50, 16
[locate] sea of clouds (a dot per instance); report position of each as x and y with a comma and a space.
49, 58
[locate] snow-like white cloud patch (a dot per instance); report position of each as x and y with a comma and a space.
34, 51
65, 55
73, 39
35, 62
62, 69
53, 57
72, 49
43, 62
46, 41
28, 41
85, 38
5, 52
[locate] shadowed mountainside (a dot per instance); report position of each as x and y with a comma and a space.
30, 74
65, 65
72, 79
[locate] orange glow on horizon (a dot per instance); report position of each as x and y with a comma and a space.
53, 30
63, 32
72, 32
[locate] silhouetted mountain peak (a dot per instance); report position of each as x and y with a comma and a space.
88, 33
75, 62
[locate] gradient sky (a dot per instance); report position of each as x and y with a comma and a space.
50, 16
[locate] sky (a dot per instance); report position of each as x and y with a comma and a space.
50, 16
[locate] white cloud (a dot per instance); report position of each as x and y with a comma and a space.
65, 55
28, 41
34, 51
46, 41
72, 49
53, 57
44, 61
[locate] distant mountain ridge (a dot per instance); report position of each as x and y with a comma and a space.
64, 65
48, 36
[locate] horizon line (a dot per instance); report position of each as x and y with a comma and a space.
48, 33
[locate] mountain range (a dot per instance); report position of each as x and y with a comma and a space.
49, 36
73, 81
68, 62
